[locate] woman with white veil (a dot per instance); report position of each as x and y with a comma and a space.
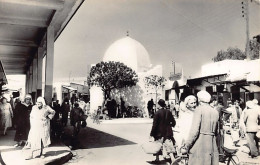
184, 123
39, 135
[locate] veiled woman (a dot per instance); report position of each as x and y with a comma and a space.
39, 135
23, 111
184, 123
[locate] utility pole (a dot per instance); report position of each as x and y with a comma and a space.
245, 12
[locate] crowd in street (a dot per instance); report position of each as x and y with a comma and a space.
37, 124
200, 126
115, 109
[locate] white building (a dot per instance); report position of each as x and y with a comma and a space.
133, 54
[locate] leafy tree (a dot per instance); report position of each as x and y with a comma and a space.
111, 75
237, 54
254, 46
231, 53
155, 83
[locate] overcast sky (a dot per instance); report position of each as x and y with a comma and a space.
189, 32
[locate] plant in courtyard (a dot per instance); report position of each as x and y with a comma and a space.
155, 83
111, 75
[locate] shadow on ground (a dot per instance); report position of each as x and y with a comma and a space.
92, 138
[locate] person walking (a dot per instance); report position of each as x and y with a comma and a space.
23, 120
75, 118
201, 143
250, 118
6, 114
163, 122
39, 135
65, 108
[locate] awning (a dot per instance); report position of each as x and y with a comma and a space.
3, 79
69, 88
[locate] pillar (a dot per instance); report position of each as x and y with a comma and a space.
27, 82
34, 78
39, 71
30, 80
49, 65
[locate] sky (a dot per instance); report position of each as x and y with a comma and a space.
189, 32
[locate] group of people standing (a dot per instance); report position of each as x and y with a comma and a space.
116, 110
32, 123
199, 126
35, 123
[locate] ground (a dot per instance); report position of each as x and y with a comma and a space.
113, 142
119, 141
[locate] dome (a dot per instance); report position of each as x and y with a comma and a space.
130, 52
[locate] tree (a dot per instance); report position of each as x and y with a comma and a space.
231, 53
254, 46
237, 54
111, 75
155, 83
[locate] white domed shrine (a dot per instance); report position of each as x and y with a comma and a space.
134, 55
130, 52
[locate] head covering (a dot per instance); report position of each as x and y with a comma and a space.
204, 96
250, 104
161, 102
41, 100
255, 101
27, 96
188, 98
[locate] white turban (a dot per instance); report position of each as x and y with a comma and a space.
255, 101
250, 104
41, 100
204, 96
188, 98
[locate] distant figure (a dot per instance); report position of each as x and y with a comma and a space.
65, 108
201, 143
97, 115
75, 117
73, 99
88, 108
172, 108
57, 108
150, 105
177, 109
23, 111
114, 107
122, 107
6, 114
109, 107
83, 105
